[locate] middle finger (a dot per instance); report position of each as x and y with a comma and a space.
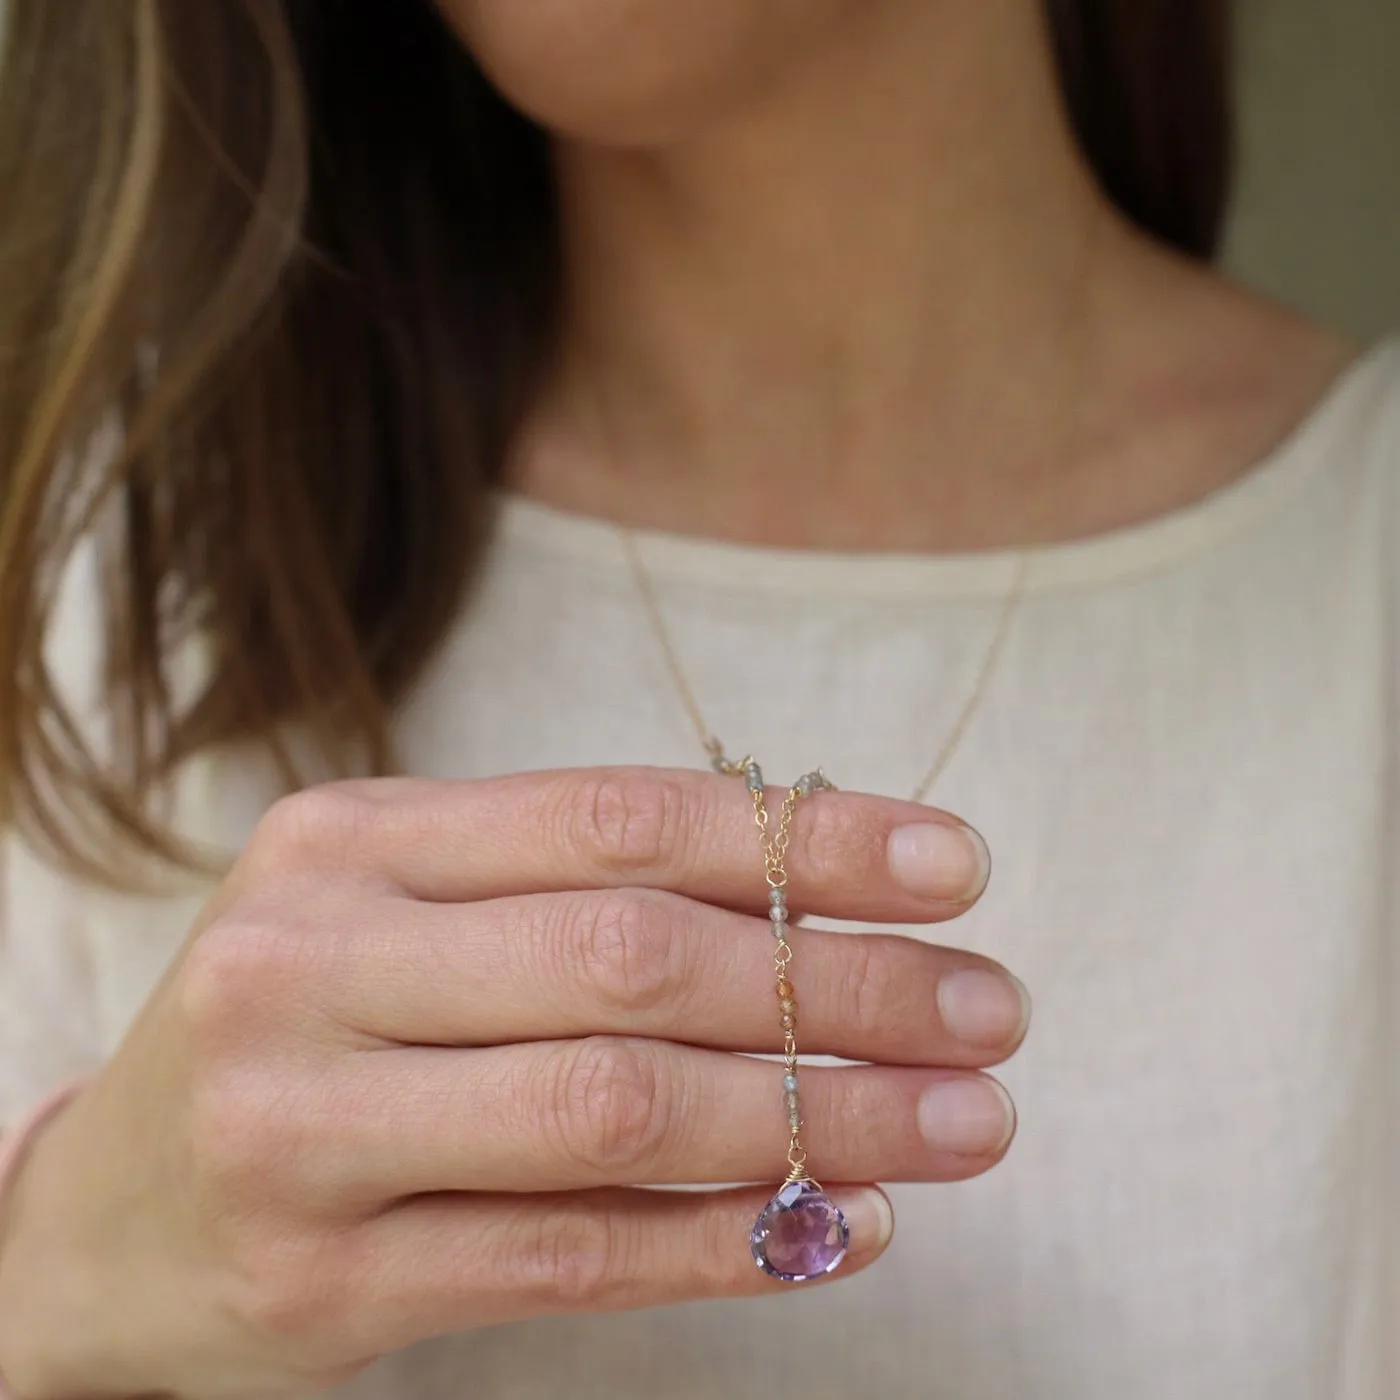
643, 962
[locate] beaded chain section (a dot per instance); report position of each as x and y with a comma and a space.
800, 1234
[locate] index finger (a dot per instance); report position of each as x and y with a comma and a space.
851, 855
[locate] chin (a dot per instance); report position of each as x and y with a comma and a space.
633, 72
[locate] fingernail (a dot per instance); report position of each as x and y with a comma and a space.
970, 1117
983, 1007
938, 860
868, 1214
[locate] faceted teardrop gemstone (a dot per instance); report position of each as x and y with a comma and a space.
800, 1235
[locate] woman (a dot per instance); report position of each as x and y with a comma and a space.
850, 375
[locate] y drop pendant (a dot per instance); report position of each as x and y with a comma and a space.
801, 1234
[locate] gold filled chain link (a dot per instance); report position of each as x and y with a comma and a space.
776, 836
957, 730
774, 840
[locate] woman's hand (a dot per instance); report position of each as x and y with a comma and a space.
430, 1037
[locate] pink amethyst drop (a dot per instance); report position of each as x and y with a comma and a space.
800, 1235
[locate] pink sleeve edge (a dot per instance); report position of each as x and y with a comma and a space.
17, 1141
15, 1145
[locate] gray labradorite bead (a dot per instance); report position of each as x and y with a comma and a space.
790, 1083
753, 776
777, 895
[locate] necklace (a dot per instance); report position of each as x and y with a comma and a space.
801, 1234
714, 749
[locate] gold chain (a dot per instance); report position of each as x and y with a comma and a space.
774, 839
774, 848
981, 681
715, 749
774, 842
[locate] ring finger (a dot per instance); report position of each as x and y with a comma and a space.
570, 1115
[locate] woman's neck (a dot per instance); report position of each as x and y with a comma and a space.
883, 304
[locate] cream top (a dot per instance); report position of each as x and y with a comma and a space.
1185, 766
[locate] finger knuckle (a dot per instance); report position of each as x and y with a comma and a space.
230, 971
627, 823
632, 951
615, 1107
288, 1289
227, 1132
570, 1258
245, 1133
311, 825
821, 841
869, 983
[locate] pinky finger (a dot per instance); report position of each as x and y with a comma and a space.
440, 1264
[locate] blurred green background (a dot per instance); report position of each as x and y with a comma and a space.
1317, 213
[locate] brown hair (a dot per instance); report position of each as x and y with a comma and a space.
276, 278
